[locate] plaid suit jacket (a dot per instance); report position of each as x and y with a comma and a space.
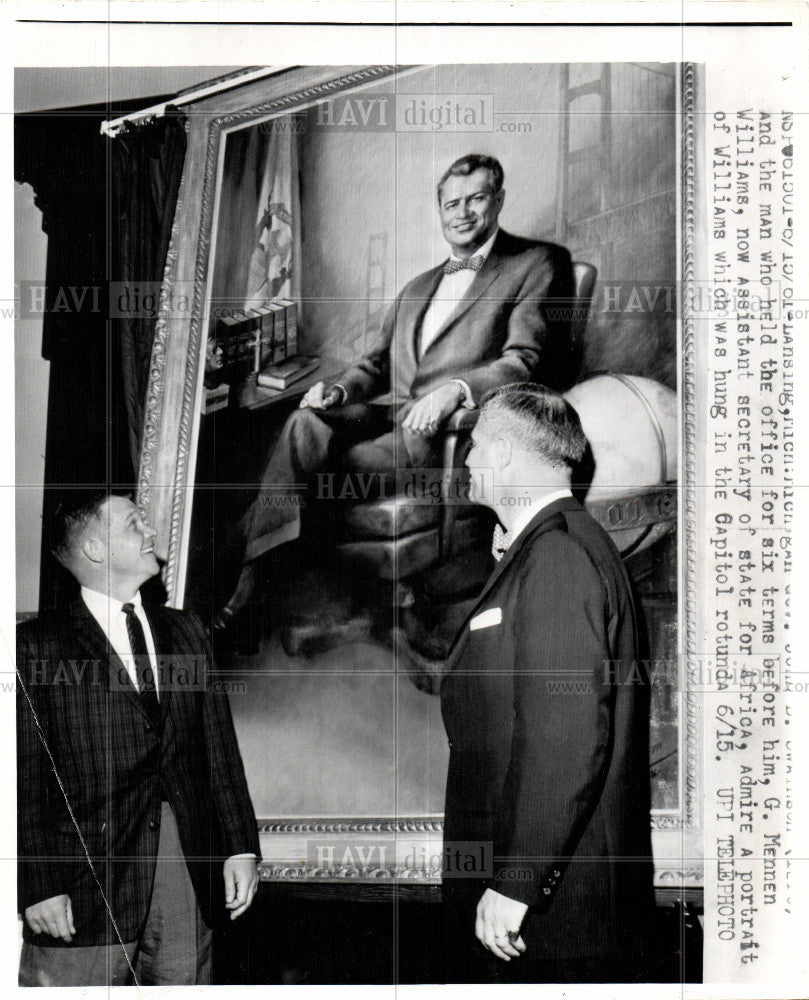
89, 757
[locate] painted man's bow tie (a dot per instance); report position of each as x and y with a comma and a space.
500, 542
472, 263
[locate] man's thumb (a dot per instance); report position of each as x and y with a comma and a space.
230, 885
69, 915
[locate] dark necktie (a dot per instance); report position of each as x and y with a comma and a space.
471, 263
143, 665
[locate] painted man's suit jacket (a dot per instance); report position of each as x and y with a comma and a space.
114, 767
512, 325
548, 730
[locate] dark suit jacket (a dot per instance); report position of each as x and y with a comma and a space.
548, 741
115, 766
505, 329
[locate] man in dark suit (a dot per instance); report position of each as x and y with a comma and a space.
480, 320
130, 781
547, 724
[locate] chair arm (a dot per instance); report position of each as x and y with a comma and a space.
456, 433
462, 419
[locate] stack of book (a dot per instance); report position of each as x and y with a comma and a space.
286, 373
253, 338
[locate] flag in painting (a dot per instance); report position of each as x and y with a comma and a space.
273, 266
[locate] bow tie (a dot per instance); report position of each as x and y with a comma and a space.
471, 263
500, 542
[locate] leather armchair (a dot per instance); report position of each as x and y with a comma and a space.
404, 535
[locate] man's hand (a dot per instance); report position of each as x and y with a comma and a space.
241, 882
497, 916
52, 916
432, 410
320, 398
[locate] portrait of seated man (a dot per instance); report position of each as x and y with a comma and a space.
480, 320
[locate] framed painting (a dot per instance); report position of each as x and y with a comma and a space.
313, 187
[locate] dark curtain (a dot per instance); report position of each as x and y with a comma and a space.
66, 159
146, 164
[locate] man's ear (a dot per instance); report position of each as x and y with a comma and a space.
502, 451
93, 549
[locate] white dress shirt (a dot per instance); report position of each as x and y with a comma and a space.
109, 614
451, 289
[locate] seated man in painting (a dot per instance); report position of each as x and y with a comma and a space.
480, 320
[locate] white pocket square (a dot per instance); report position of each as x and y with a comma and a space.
487, 618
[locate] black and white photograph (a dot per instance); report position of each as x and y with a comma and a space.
405, 471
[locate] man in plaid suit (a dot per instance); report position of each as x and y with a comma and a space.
130, 782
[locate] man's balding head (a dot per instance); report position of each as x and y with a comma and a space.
539, 421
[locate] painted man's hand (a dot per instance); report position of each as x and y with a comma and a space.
52, 916
432, 410
320, 398
497, 917
241, 882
